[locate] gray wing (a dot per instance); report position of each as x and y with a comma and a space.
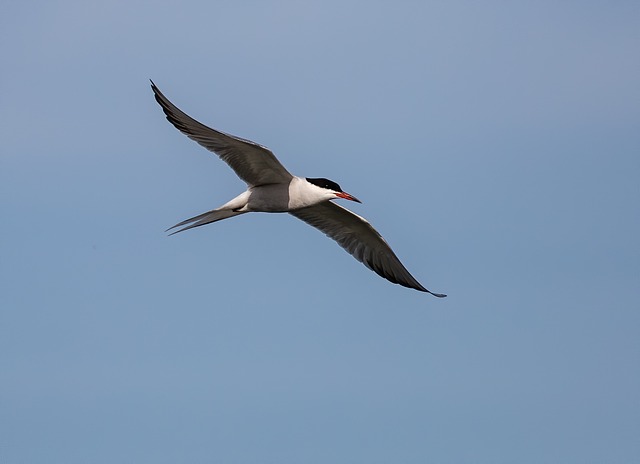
253, 163
361, 240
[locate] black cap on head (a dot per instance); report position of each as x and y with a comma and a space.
325, 183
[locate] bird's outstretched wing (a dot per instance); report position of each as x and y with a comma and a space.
253, 163
361, 240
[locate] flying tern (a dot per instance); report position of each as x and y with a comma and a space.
272, 189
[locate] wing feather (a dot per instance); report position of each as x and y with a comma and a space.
253, 163
359, 239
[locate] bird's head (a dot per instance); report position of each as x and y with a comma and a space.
332, 188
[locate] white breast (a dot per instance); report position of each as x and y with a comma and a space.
303, 194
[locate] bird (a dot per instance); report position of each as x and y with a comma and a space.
272, 189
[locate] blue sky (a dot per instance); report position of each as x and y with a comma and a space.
495, 145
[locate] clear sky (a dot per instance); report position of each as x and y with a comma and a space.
495, 145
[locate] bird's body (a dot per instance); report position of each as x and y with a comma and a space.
282, 198
272, 189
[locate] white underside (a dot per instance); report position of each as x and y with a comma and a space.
279, 198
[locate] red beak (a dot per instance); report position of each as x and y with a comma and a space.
347, 196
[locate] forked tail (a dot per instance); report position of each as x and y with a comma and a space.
205, 218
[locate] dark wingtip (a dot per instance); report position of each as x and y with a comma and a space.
439, 295
420, 288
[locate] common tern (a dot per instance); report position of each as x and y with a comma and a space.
272, 189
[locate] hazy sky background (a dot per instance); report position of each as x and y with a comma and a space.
495, 145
